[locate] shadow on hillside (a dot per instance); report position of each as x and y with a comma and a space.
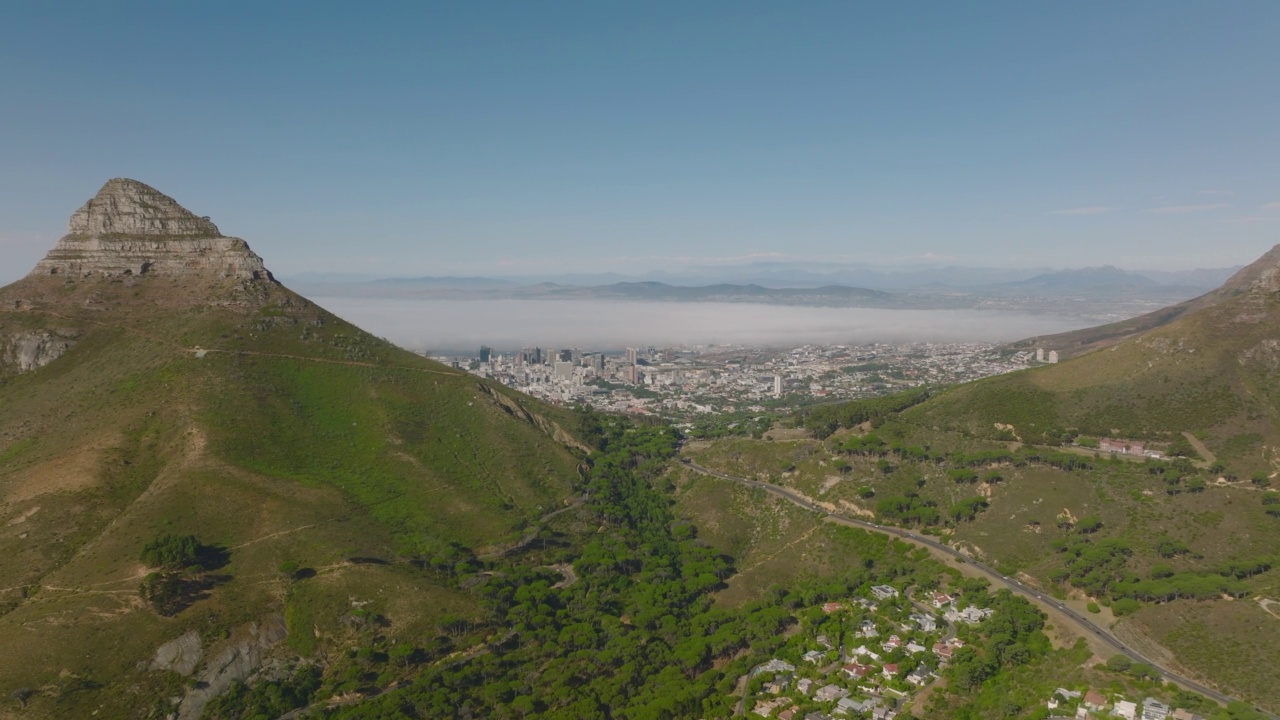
171, 593
213, 557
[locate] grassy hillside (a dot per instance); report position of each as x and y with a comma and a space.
1211, 374
324, 465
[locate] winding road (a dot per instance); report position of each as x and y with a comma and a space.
1035, 596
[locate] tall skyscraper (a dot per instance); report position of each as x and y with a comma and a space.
777, 386
632, 356
486, 354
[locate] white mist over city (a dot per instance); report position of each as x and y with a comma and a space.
443, 325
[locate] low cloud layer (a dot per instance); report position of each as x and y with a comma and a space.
506, 324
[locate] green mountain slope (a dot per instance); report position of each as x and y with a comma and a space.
290, 443
1211, 372
1079, 342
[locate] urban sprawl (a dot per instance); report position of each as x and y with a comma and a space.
686, 382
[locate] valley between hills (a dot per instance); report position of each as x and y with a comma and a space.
220, 500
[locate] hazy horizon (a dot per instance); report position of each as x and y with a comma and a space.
455, 325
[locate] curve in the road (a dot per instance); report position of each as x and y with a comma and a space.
1030, 593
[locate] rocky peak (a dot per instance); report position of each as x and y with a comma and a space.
1262, 274
128, 207
130, 228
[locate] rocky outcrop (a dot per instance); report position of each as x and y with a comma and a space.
132, 229
549, 427
34, 348
181, 655
234, 664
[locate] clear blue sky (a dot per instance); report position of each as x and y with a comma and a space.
429, 138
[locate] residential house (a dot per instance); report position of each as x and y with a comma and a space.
789, 713
804, 685
863, 651
1095, 701
914, 647
827, 693
813, 656
920, 676
1184, 714
1126, 709
1153, 709
857, 671
765, 708
970, 615
944, 651
774, 666
927, 623
941, 600
845, 705
817, 716
884, 592
883, 713
889, 671
868, 629
825, 642
1060, 696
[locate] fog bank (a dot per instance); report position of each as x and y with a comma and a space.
508, 324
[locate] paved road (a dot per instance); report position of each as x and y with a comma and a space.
1030, 593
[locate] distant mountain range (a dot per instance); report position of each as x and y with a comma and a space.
1103, 293
798, 275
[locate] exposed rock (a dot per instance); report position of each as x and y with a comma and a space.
128, 207
1265, 353
551, 428
180, 655
33, 349
131, 229
232, 665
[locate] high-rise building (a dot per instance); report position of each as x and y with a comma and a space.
564, 370
1039, 354
486, 353
632, 356
1053, 356
565, 356
633, 374
777, 386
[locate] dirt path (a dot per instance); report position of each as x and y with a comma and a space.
1267, 604
781, 550
201, 352
1205, 453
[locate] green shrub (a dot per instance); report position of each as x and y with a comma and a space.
1125, 606
171, 552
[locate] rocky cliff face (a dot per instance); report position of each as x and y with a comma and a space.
132, 229
34, 348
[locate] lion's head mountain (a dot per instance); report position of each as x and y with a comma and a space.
156, 380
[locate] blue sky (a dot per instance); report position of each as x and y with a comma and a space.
492, 138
